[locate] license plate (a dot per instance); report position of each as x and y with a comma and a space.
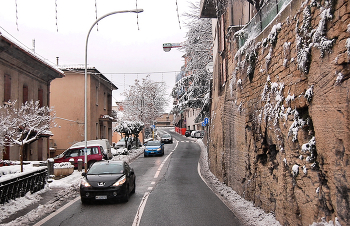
152, 152
101, 197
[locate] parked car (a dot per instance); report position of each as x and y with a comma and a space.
94, 154
121, 143
188, 133
153, 147
193, 133
107, 152
108, 180
166, 138
130, 143
199, 134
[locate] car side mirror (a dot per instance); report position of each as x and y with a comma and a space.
83, 174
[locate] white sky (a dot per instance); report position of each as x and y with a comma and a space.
117, 47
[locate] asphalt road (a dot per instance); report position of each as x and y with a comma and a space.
169, 192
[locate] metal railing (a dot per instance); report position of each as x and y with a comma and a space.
262, 19
19, 186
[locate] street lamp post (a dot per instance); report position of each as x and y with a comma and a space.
86, 45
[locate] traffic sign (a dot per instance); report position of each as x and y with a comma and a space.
206, 120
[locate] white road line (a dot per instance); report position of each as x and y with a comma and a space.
150, 188
56, 212
139, 213
142, 205
157, 174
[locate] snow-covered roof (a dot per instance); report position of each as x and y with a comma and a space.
30, 53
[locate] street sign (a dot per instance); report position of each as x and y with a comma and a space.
203, 124
153, 126
206, 120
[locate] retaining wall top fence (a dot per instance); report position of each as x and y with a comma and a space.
17, 185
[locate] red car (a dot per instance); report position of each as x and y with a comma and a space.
94, 154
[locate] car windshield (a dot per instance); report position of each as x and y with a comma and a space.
106, 168
166, 135
153, 143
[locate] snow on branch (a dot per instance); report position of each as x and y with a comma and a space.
145, 101
192, 89
26, 124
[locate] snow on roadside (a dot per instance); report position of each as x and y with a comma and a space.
244, 210
68, 190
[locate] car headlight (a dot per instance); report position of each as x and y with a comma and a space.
159, 149
120, 181
84, 183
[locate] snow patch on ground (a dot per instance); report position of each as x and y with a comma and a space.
245, 210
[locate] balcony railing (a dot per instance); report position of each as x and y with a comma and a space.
262, 19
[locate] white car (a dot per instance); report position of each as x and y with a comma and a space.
121, 144
193, 133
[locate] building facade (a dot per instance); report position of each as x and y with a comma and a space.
24, 77
67, 98
165, 120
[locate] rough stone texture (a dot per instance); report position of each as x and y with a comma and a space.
254, 151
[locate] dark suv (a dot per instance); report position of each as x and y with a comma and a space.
188, 133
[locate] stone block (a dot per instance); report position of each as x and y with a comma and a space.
62, 172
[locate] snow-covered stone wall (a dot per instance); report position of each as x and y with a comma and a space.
279, 133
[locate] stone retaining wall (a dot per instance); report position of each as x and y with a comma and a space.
279, 132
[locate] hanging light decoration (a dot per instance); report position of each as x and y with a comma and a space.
56, 15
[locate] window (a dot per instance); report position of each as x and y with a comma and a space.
41, 97
25, 94
109, 101
97, 127
7, 88
104, 101
101, 131
96, 95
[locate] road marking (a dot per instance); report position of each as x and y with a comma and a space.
157, 174
56, 212
139, 213
142, 205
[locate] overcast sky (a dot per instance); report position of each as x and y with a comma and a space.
117, 49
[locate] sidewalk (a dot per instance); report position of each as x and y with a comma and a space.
32, 207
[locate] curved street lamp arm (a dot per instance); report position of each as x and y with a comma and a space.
86, 45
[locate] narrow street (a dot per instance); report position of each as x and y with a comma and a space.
169, 192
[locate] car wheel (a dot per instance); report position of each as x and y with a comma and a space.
126, 196
84, 201
144, 155
134, 189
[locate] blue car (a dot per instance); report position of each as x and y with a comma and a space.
153, 147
